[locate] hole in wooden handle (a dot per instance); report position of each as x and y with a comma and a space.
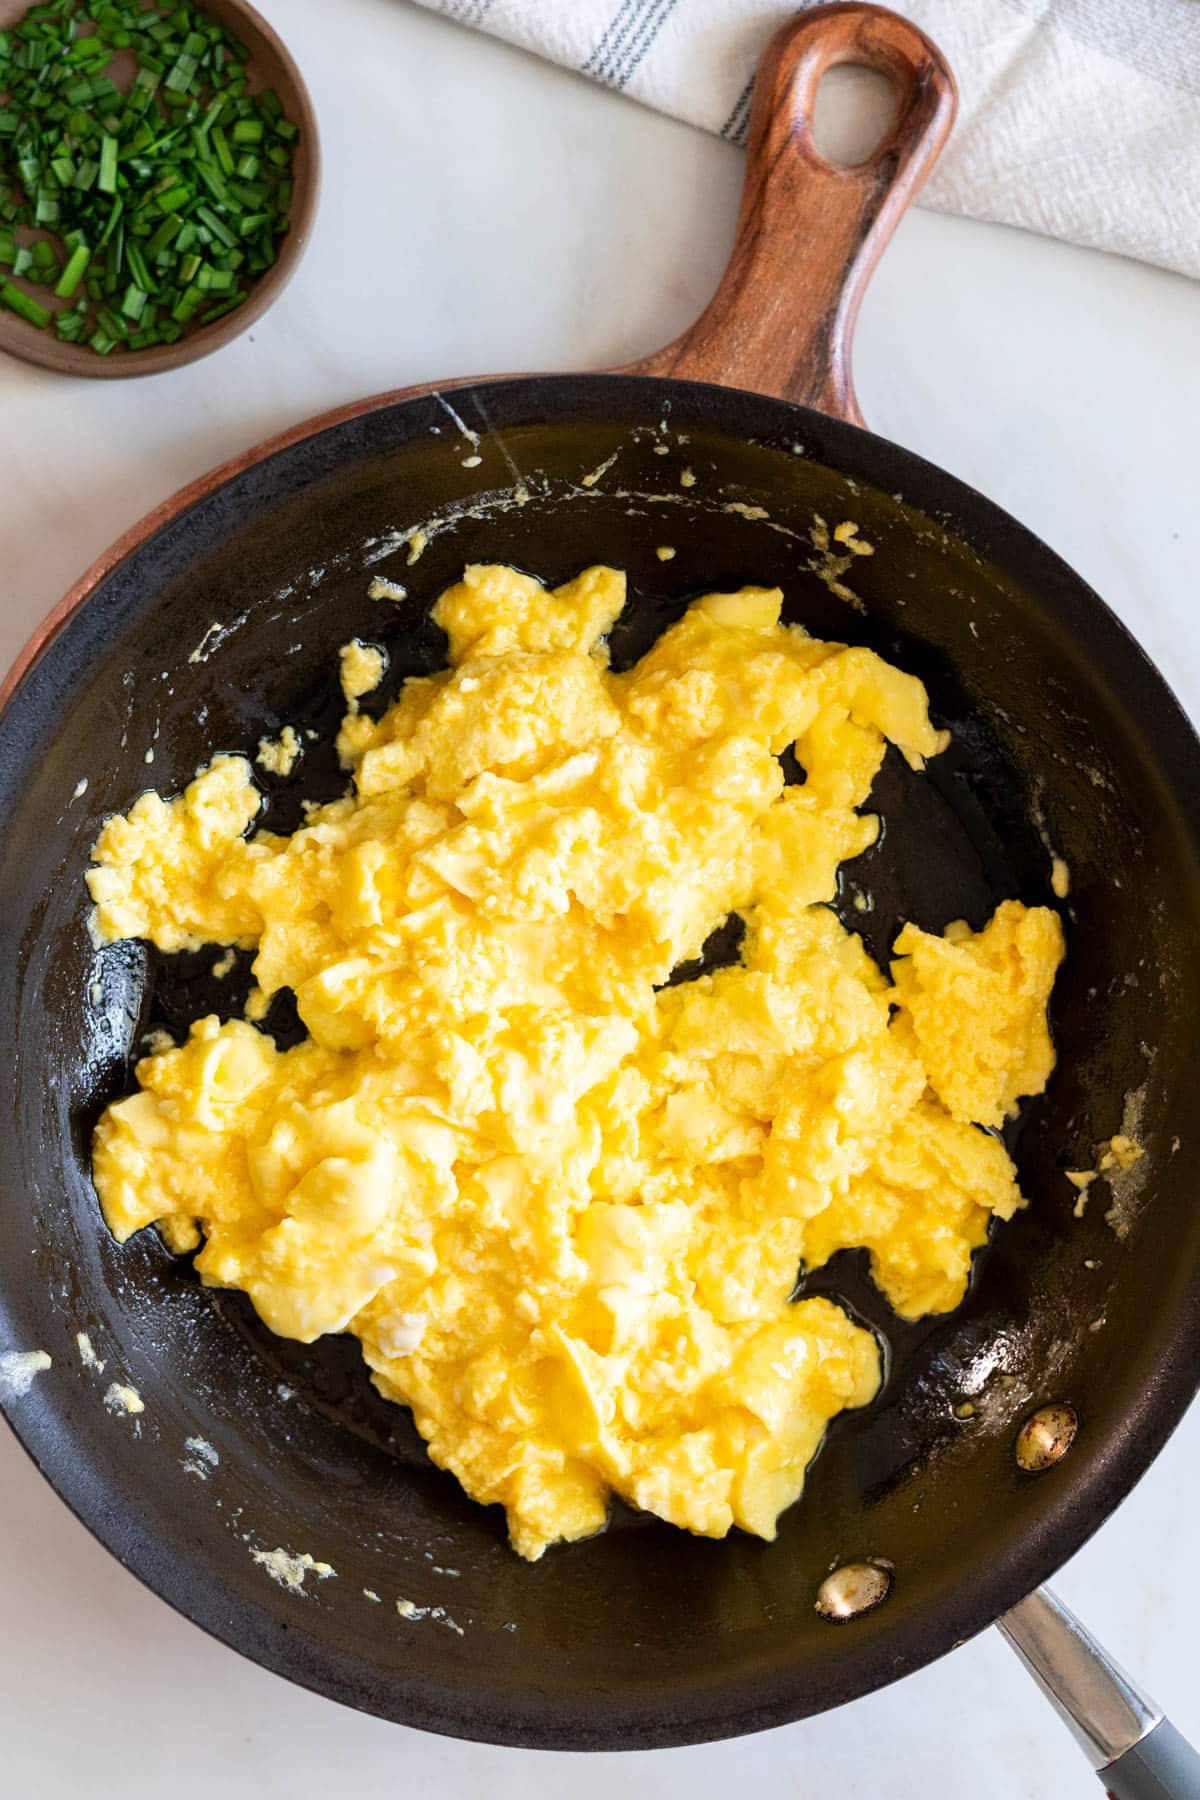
855, 110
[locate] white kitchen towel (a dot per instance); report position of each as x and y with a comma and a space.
1078, 118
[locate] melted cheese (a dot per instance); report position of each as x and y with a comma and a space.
562, 1204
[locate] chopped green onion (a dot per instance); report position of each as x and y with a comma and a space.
167, 233
107, 181
137, 267
84, 49
220, 144
115, 211
227, 306
74, 272
142, 139
180, 78
210, 175
216, 225
176, 196
186, 306
112, 323
20, 302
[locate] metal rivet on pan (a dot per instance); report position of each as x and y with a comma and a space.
1046, 1436
853, 1590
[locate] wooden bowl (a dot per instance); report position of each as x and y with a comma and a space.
270, 65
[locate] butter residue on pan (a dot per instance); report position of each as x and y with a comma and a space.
408, 1609
835, 554
121, 1398
18, 1370
288, 1569
380, 588
1116, 1162
201, 1459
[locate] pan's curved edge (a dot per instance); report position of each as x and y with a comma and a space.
1128, 1454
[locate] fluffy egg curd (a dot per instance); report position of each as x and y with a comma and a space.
562, 1204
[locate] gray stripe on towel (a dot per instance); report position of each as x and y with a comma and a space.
734, 128
611, 45
646, 39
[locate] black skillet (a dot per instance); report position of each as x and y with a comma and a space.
219, 618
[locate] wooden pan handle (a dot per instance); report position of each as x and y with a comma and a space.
809, 234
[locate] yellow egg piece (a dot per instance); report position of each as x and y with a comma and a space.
561, 1203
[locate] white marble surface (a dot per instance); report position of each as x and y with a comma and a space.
531, 221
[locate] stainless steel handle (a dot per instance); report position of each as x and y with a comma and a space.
1136, 1752
1101, 1706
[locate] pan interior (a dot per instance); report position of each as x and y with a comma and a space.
223, 627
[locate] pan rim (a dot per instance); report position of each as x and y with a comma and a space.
741, 1704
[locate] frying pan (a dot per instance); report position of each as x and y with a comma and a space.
218, 618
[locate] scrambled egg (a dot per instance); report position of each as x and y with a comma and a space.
561, 1204
278, 756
